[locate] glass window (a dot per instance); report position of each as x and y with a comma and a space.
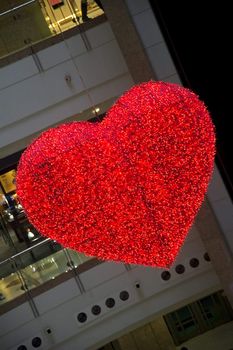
25, 22
214, 310
198, 317
183, 324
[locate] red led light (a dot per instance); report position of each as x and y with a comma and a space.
126, 189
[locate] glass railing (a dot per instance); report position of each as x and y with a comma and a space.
34, 266
26, 22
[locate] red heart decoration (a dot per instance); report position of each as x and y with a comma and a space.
128, 188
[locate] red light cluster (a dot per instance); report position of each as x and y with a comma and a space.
126, 189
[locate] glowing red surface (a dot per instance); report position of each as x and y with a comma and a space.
128, 188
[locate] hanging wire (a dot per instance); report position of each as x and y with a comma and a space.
87, 90
88, 48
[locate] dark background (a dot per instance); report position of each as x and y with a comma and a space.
200, 40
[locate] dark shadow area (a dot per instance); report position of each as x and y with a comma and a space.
199, 39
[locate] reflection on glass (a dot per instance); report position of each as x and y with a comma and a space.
11, 285
25, 22
77, 258
22, 23
34, 267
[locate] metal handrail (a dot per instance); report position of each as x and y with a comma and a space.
24, 251
17, 7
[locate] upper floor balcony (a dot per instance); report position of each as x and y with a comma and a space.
25, 23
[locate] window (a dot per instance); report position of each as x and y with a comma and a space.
215, 310
182, 324
198, 317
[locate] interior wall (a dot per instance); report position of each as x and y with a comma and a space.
59, 307
34, 98
152, 336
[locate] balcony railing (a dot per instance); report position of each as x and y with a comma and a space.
26, 22
34, 266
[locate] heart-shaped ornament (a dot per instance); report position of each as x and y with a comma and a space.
126, 189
